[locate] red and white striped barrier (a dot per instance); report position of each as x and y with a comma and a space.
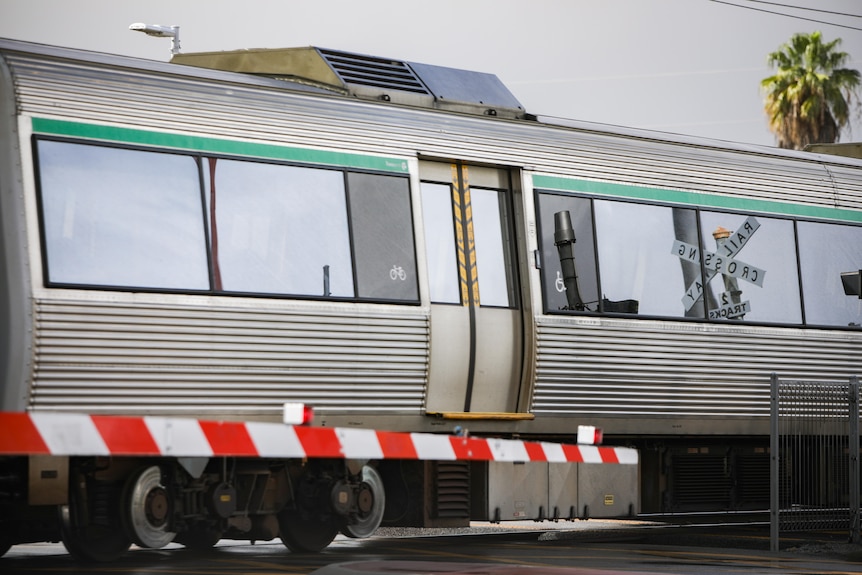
48, 433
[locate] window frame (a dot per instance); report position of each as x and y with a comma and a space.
201, 160
43, 229
794, 222
453, 275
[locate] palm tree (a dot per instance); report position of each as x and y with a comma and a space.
808, 100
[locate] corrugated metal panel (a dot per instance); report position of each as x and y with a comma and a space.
618, 367
139, 358
848, 179
157, 100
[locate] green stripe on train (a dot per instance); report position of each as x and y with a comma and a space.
216, 146
693, 199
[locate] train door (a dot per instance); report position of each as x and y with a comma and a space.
476, 324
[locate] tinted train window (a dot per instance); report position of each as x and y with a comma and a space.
751, 268
579, 211
440, 243
383, 237
117, 217
825, 252
120, 218
281, 230
639, 267
650, 262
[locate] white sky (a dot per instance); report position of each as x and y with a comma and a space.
684, 66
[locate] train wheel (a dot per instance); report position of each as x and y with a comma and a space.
147, 508
91, 543
371, 502
200, 539
309, 525
309, 534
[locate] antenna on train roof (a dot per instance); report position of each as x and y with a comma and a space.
159, 31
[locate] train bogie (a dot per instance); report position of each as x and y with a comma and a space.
112, 503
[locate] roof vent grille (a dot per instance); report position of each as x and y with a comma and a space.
375, 72
370, 78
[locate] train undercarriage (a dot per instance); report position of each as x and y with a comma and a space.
112, 503
99, 506
706, 474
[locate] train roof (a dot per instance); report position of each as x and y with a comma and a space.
476, 93
370, 78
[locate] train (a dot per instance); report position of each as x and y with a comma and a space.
404, 247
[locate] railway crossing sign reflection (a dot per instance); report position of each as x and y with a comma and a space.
723, 261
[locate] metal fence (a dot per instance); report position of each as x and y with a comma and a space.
814, 457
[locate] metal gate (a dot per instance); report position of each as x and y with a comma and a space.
814, 446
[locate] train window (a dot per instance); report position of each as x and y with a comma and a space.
825, 251
281, 230
382, 237
124, 218
639, 269
751, 268
580, 213
664, 261
490, 232
440, 243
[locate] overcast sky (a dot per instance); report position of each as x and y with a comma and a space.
684, 66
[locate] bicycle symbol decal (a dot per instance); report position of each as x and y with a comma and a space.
397, 273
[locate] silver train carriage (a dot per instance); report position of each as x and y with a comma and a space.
404, 247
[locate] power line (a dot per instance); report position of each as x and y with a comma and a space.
785, 14
791, 6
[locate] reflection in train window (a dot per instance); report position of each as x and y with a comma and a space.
440, 243
664, 261
382, 237
585, 253
751, 267
118, 217
281, 230
825, 252
640, 273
